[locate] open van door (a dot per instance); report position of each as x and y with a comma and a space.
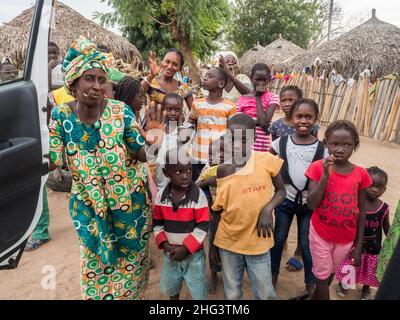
24, 141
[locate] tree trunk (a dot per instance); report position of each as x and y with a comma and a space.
187, 53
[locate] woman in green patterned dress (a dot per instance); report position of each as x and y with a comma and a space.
110, 200
389, 245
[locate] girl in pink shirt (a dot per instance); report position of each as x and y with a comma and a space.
260, 104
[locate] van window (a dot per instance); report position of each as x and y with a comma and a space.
15, 28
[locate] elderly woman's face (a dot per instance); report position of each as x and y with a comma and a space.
91, 86
231, 62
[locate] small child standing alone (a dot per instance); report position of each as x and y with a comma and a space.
244, 205
376, 221
181, 221
337, 196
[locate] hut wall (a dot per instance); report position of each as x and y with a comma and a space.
374, 109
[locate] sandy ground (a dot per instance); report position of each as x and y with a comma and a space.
62, 255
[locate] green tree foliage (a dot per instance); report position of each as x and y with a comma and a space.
263, 20
160, 24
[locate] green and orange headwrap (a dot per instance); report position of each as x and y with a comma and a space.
82, 56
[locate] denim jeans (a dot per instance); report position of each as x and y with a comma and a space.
259, 272
191, 270
284, 214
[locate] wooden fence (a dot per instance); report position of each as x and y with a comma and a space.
374, 109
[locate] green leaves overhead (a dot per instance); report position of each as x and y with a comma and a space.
263, 20
150, 24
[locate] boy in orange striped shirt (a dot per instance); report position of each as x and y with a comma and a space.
210, 116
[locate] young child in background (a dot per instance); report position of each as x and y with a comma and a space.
130, 91
249, 189
176, 134
210, 116
260, 105
298, 150
208, 183
377, 219
181, 221
208, 177
289, 96
8, 71
337, 196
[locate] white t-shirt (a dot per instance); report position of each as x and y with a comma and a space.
170, 141
299, 157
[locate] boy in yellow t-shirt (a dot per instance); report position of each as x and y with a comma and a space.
245, 200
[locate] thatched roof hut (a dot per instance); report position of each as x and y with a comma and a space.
250, 58
374, 45
274, 54
280, 51
69, 24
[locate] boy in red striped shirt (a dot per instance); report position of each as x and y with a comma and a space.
181, 220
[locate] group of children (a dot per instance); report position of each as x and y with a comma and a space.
232, 180
219, 173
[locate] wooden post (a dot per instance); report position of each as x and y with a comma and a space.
385, 108
392, 114
378, 108
330, 20
395, 129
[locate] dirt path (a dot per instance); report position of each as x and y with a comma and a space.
62, 255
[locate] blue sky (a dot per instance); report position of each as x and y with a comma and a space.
387, 10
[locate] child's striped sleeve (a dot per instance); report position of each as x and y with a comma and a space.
194, 241
158, 227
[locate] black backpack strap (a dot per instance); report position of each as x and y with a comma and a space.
282, 153
319, 154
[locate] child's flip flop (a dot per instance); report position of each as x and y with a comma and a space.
295, 263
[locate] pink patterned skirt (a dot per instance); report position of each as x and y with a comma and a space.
364, 274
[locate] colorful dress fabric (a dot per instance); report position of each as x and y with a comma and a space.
157, 93
366, 272
126, 280
110, 199
389, 244
81, 57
